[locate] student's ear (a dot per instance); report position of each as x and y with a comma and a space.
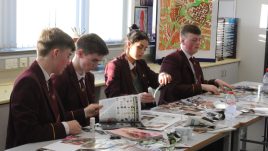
182, 39
128, 44
55, 52
79, 53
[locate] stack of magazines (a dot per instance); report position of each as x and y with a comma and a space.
226, 38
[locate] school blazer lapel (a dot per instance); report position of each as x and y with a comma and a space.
75, 83
129, 80
185, 61
41, 78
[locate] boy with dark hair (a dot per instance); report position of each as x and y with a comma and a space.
76, 85
187, 75
35, 113
185, 70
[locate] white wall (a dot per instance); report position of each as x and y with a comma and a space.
250, 44
226, 8
251, 38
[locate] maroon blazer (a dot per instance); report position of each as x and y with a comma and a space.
118, 77
183, 82
70, 94
31, 118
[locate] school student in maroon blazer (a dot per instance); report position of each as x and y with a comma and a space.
77, 97
129, 73
35, 112
187, 75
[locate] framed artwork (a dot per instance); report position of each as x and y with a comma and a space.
141, 18
173, 14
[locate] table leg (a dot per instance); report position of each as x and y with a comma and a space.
235, 141
243, 135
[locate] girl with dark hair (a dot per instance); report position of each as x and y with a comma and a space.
129, 74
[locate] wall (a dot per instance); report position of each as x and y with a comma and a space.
251, 39
226, 8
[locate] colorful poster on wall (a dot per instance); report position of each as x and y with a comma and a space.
173, 14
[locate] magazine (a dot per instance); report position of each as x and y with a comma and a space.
159, 120
77, 143
120, 109
136, 134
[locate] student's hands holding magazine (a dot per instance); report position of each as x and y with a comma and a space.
146, 97
92, 110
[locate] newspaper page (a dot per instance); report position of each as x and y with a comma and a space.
120, 109
159, 120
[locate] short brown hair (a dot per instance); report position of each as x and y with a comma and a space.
51, 38
189, 28
92, 43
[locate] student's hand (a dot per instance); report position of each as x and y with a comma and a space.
92, 110
164, 78
223, 85
74, 127
146, 97
210, 88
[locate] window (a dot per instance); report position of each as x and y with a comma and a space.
23, 20
48, 13
106, 20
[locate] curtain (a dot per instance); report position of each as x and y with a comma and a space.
7, 24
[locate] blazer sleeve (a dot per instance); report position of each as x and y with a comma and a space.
78, 115
112, 79
26, 107
211, 82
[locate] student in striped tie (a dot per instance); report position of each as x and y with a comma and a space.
35, 113
76, 86
187, 75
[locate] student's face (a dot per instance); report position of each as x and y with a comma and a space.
136, 50
90, 61
191, 43
62, 58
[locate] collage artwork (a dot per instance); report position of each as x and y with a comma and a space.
175, 13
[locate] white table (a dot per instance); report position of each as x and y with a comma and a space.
231, 139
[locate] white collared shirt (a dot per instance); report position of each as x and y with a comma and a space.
47, 77
131, 66
79, 76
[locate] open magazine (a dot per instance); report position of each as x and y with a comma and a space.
159, 120
136, 134
120, 109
